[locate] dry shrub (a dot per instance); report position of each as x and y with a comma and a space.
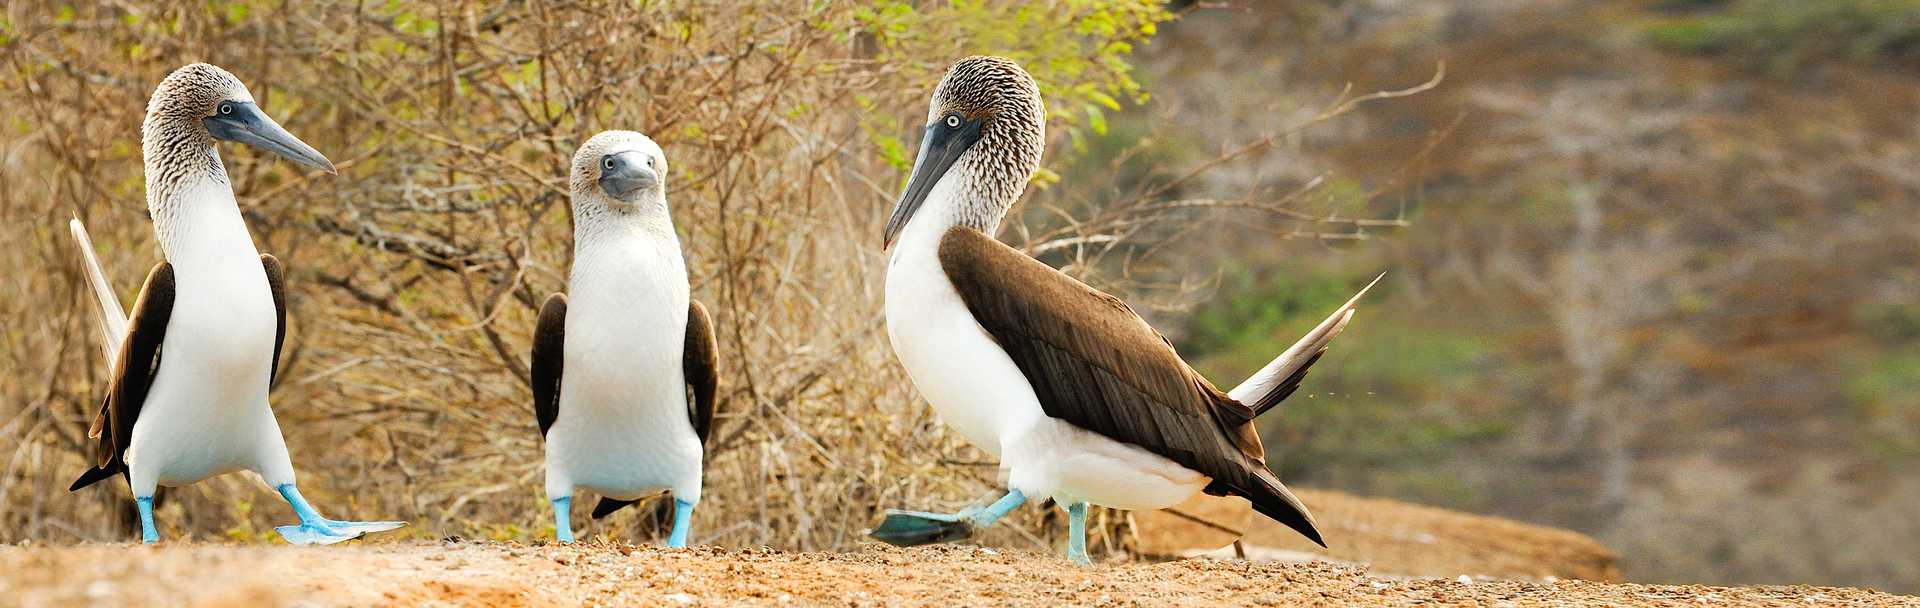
416, 272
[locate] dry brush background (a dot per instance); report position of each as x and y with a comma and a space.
415, 273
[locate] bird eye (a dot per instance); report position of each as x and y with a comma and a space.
953, 121
606, 164
226, 109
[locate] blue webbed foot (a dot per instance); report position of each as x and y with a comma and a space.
915, 528
316, 530
311, 534
363, 527
329, 531
682, 521
148, 535
562, 519
1077, 534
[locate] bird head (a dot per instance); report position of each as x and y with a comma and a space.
621, 171
203, 100
986, 128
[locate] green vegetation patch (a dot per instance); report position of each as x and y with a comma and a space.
1394, 395
1784, 37
1883, 393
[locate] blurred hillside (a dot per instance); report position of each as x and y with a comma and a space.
1660, 282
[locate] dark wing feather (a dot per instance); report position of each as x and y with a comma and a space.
277, 281
1095, 364
549, 360
701, 365
133, 372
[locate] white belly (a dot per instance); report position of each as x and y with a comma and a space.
625, 444
206, 413
624, 457
623, 429
978, 390
1072, 464
957, 366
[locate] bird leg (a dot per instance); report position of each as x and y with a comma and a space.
316, 530
682, 520
914, 528
1077, 534
562, 516
148, 535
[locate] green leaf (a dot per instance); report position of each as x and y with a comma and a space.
893, 151
1104, 100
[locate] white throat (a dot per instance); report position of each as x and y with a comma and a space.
599, 220
197, 219
945, 207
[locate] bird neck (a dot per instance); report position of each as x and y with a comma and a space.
188, 193
960, 198
598, 223
177, 153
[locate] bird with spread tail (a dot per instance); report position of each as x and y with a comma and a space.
624, 365
191, 368
1080, 400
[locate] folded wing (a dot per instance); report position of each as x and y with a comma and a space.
549, 360
133, 373
1095, 364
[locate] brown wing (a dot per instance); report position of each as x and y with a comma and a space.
701, 365
133, 371
1095, 364
277, 281
549, 360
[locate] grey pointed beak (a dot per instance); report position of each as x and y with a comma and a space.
243, 122
941, 147
626, 173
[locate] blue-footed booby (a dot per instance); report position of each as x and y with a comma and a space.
632, 414
1080, 399
203, 343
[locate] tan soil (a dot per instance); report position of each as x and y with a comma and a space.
508, 574
1389, 536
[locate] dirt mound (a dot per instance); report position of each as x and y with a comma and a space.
507, 574
1389, 536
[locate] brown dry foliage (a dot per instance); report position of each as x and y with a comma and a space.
415, 273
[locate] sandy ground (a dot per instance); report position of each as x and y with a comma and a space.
507, 574
1387, 536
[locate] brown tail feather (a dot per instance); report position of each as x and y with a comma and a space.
96, 475
608, 505
661, 515
1281, 377
1275, 501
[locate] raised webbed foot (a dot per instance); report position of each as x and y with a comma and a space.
915, 528
328, 531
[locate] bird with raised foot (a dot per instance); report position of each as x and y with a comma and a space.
624, 363
1080, 399
187, 398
